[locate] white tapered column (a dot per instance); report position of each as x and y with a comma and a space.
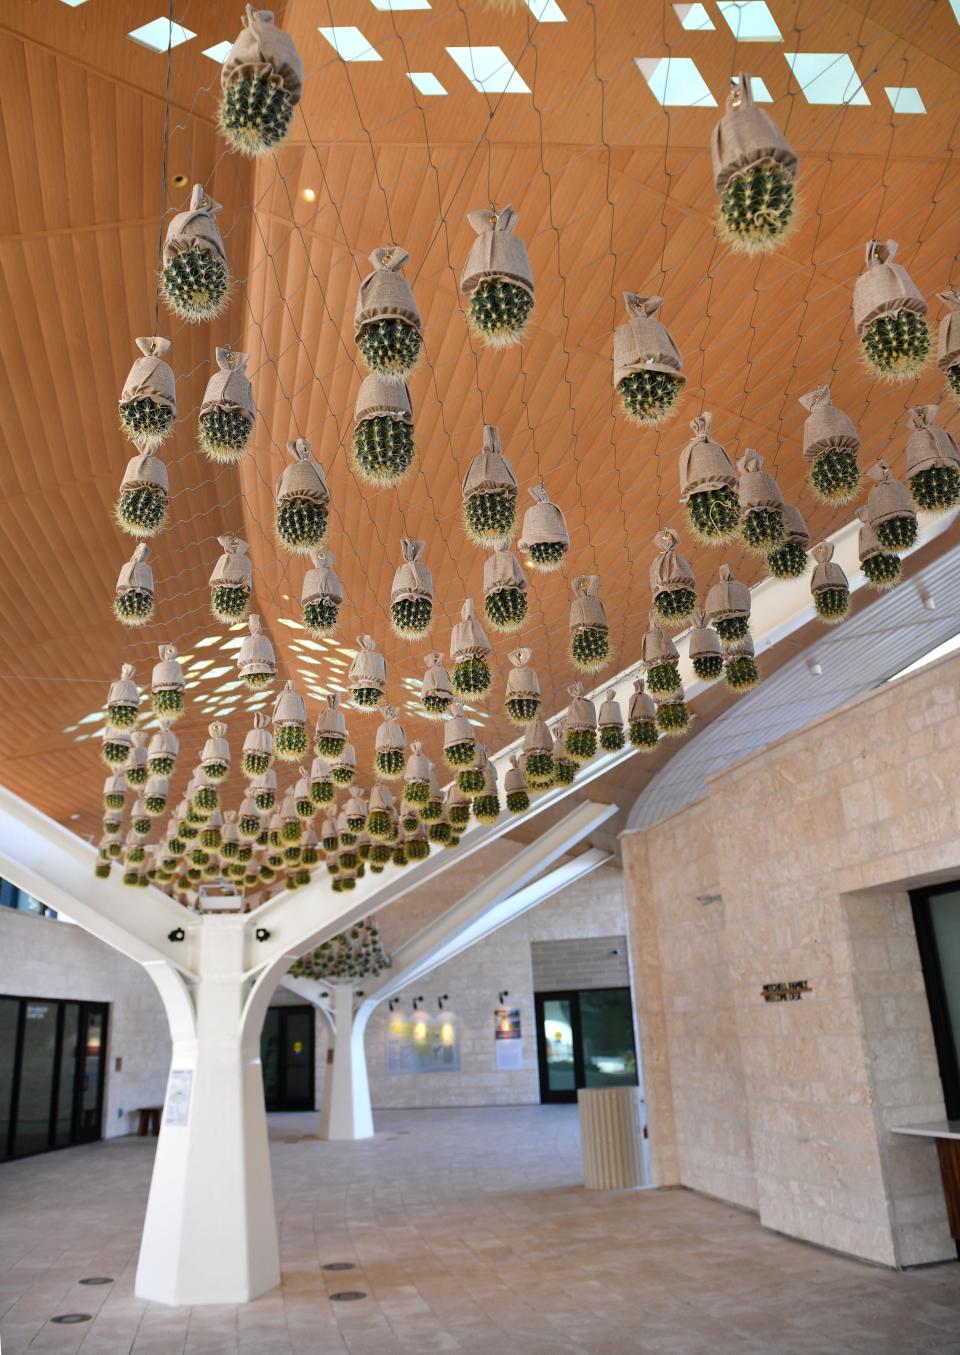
350, 1115
210, 1233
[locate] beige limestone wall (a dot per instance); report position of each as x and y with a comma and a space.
811, 845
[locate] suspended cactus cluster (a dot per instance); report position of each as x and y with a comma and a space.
754, 168
261, 81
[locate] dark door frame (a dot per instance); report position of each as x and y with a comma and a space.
283, 1102
947, 1053
547, 1095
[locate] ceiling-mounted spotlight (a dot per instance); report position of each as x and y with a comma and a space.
815, 668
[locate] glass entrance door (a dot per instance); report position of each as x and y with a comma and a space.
286, 1053
584, 1039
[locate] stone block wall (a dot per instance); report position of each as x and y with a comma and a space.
584, 962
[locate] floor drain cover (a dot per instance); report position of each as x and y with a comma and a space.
98, 1279
346, 1295
67, 1319
339, 1265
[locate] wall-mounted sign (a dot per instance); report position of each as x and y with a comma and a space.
786, 992
508, 1038
178, 1096
421, 1043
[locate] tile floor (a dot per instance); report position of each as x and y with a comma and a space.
469, 1233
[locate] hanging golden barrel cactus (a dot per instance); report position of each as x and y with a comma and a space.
754, 168
303, 501
416, 776
515, 787
489, 494
227, 411
830, 445
383, 439
167, 685
114, 791
610, 724
486, 804
470, 649
728, 608
134, 597
289, 725
330, 735
647, 367
261, 81
256, 661
740, 671
708, 486
580, 726
890, 511
504, 590
344, 767
661, 660
162, 751
829, 586
457, 808
589, 628
148, 401
321, 595
411, 597
948, 342
382, 814
762, 525
522, 698
436, 688
141, 508
386, 321
642, 719
673, 717
257, 748
544, 538
788, 560
881, 567
497, 278
391, 742
889, 316
194, 279
321, 782
368, 673
537, 752
705, 650
459, 740
231, 583
672, 584
215, 758
933, 462
135, 767
564, 766
123, 700
115, 748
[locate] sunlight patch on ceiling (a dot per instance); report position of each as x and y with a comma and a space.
489, 70
750, 21
160, 34
904, 99
675, 81
426, 82
827, 77
350, 44
694, 18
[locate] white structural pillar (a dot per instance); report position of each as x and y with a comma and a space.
350, 1115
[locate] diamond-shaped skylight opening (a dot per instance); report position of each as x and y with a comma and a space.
904, 98
426, 82
159, 34
400, 4
218, 52
827, 77
350, 44
546, 11
74, 3
489, 70
675, 82
694, 18
750, 20
955, 6
758, 89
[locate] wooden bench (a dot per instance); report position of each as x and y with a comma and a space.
149, 1122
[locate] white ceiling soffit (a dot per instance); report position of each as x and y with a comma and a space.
854, 657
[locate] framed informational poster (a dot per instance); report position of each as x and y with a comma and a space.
401, 1055
179, 1087
508, 1037
421, 1043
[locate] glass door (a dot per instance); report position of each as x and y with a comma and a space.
91, 1049
286, 1053
936, 917
557, 1047
584, 1039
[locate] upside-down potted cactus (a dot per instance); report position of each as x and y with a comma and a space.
135, 767
828, 586
436, 688
417, 844
830, 445
289, 725
489, 493
416, 776
890, 511
148, 401
263, 790
211, 835
610, 724
231, 583
708, 486
123, 700
788, 560
948, 342
322, 790
515, 787
204, 795
754, 169
881, 567
673, 717
672, 584
261, 81
522, 699
642, 719
470, 649
889, 315
537, 752
589, 628
762, 524
564, 766
162, 751
257, 747
368, 674
321, 595
431, 809
486, 804
194, 278
343, 768
728, 608
383, 439
497, 278
248, 819
115, 748
661, 660
705, 650
215, 758
457, 808
580, 726
134, 598
459, 740
256, 661
647, 367
740, 672
227, 411
933, 462
114, 791
391, 741
382, 814
544, 538
504, 589
355, 811
167, 685
141, 507
303, 501
330, 735
386, 321
411, 597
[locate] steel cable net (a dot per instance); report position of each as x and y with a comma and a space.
614, 195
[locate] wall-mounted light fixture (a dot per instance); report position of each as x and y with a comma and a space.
262, 934
178, 934
415, 1001
394, 1002
444, 997
501, 996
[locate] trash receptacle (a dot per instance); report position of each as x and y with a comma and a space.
611, 1137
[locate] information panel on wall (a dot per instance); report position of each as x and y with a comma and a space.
420, 1043
508, 1037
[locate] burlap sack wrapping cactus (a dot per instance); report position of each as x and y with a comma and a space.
257, 747
123, 700
788, 560
708, 486
114, 791
830, 444
564, 767
436, 688
344, 767
933, 462
672, 583
383, 440
504, 590
580, 725
888, 315
642, 719
162, 751
302, 500
262, 81
141, 507
881, 567
321, 782
754, 167
391, 741
673, 716
167, 685
538, 753
522, 698
194, 281
661, 659
263, 788
705, 650
416, 776
829, 586
544, 538
330, 734
368, 673
321, 595
515, 787
215, 758
256, 662
135, 767
381, 813
355, 810
134, 598
231, 582
459, 740
227, 412
411, 597
486, 802
155, 794
647, 367
610, 723
740, 671
386, 322
289, 724
469, 648
115, 748
890, 511
148, 401
489, 493
497, 278
728, 608
762, 523
948, 341
589, 628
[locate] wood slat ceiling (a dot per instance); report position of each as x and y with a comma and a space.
614, 194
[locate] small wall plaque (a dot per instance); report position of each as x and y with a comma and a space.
786, 992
